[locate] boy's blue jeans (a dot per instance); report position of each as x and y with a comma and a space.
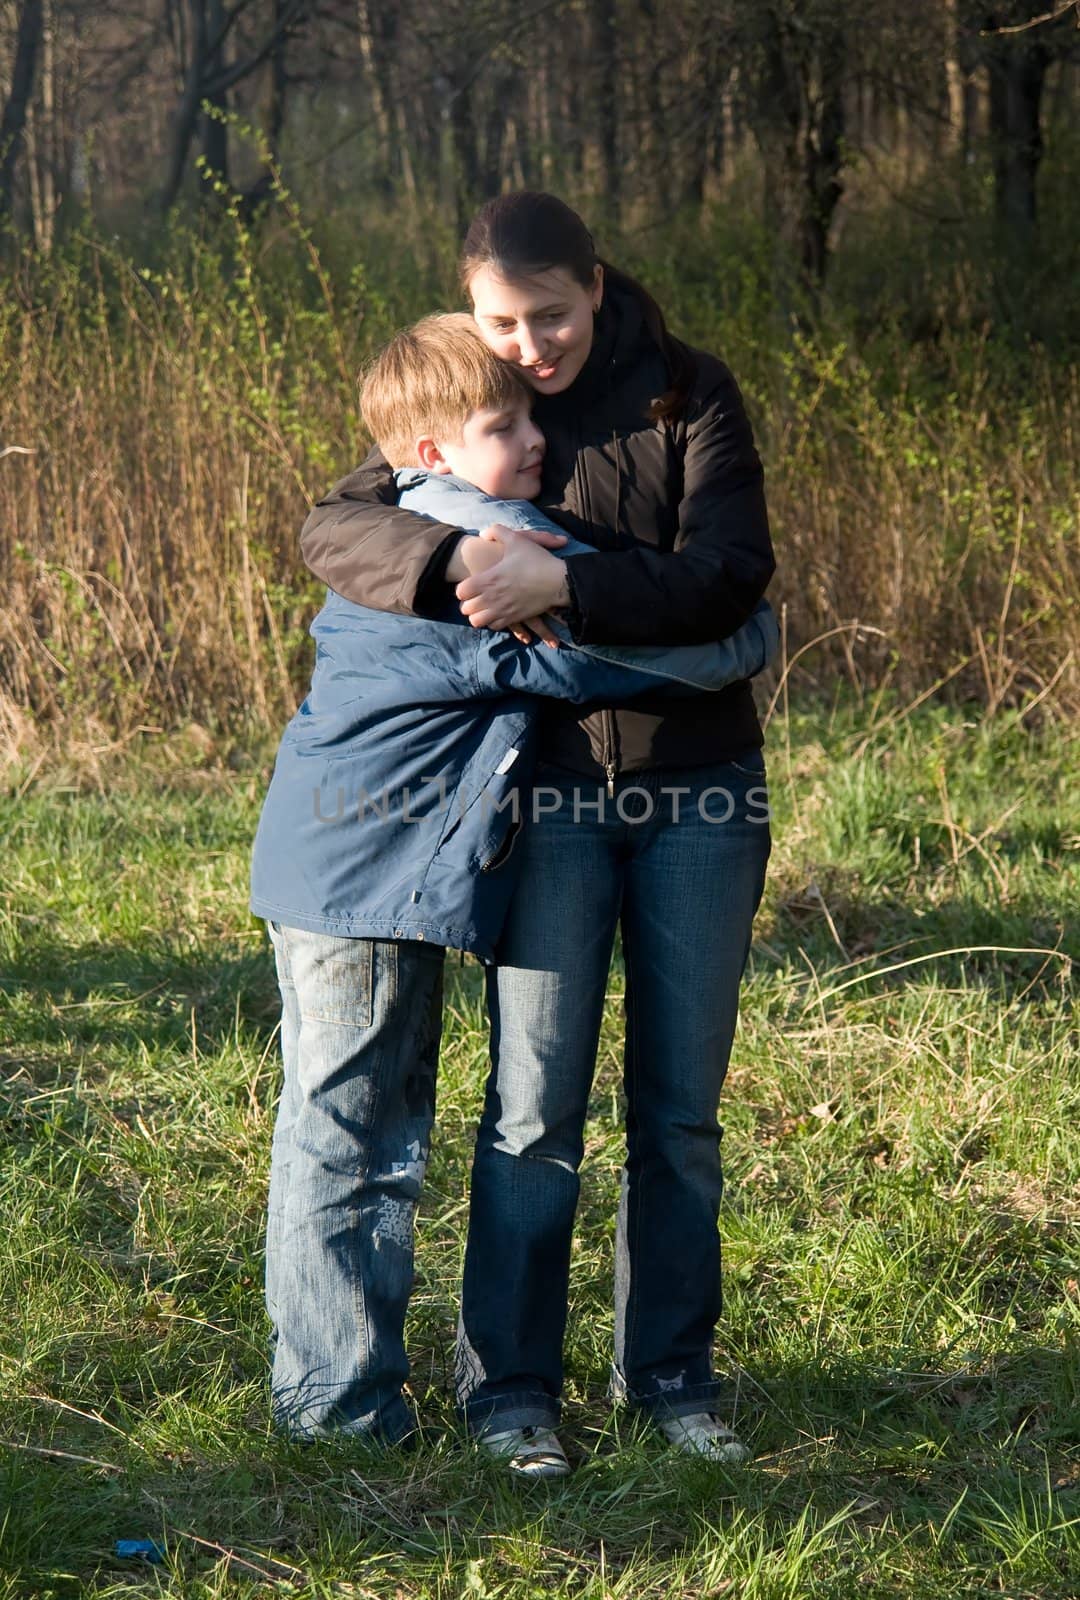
685, 893
360, 1029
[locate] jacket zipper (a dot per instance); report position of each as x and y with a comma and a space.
607, 718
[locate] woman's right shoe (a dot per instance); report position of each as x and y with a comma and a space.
701, 1433
530, 1453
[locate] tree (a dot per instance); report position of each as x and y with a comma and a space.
28, 39
798, 116
208, 77
1017, 60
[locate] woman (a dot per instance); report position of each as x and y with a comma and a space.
652, 818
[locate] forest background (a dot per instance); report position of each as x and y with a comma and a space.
211, 213
215, 209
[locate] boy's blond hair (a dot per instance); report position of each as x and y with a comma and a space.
428, 381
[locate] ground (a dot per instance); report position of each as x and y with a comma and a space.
902, 1146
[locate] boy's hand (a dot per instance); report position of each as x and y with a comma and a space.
518, 589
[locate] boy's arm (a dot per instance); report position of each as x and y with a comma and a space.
679, 668
503, 666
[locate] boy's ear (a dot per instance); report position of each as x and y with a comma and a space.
431, 457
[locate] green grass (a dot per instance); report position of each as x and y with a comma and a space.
902, 1219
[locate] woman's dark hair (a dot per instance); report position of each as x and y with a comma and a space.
528, 232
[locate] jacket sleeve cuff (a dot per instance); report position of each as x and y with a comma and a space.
430, 597
572, 613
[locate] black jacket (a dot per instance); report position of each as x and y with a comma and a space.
676, 511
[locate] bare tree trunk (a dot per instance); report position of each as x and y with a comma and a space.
465, 154
728, 135
496, 133
800, 129
1018, 66
647, 115
823, 145
276, 91
405, 160
186, 117
12, 123
45, 225
399, 126
566, 127
776, 126
517, 152
372, 54
603, 39
903, 138
215, 132
954, 128
545, 97
700, 101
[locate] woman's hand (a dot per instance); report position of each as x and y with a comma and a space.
477, 555
457, 569
525, 583
480, 555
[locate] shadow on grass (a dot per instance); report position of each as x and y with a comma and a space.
841, 927
897, 1451
95, 998
99, 998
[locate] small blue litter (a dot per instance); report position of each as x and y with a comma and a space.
140, 1550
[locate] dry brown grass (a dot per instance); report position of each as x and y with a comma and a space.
149, 559
949, 522
170, 429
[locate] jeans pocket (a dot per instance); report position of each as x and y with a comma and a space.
334, 978
751, 764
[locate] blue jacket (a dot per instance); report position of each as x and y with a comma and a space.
402, 778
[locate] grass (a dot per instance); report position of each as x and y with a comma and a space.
902, 1331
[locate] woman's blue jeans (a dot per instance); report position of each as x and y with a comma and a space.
360, 1025
678, 859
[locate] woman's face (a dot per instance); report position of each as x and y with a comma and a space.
542, 325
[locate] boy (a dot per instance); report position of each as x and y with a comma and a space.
387, 835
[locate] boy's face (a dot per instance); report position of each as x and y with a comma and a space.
500, 452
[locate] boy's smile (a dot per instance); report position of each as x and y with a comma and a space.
500, 452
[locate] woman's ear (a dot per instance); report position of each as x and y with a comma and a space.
430, 456
598, 288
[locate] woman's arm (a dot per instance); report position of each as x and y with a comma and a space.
723, 557
705, 589
363, 546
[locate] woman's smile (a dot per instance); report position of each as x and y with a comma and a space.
542, 371
543, 325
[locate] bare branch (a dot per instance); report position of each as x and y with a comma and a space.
1035, 22
243, 69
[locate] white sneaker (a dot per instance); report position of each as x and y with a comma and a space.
703, 1434
530, 1452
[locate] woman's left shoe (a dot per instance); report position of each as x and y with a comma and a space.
703, 1434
